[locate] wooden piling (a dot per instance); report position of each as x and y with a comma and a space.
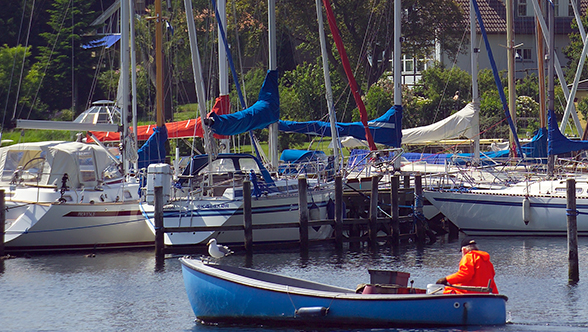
339, 212
303, 209
573, 267
247, 218
395, 210
406, 184
373, 221
2, 222
418, 206
158, 221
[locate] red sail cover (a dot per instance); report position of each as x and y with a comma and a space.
179, 129
352, 83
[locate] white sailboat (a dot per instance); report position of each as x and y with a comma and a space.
210, 192
70, 195
531, 207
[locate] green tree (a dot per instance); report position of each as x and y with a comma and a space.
67, 68
440, 93
11, 60
574, 50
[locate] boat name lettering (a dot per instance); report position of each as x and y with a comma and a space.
86, 214
213, 206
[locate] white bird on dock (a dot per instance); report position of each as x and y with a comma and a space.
217, 250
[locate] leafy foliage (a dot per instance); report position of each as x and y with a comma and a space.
440, 93
64, 64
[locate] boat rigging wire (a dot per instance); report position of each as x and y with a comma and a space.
47, 65
23, 59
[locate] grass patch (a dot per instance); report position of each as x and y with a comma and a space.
30, 135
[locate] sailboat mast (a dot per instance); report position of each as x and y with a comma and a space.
273, 65
475, 96
134, 76
541, 71
397, 53
329, 91
550, 75
510, 55
160, 120
223, 66
124, 70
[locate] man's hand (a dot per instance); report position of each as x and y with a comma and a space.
442, 281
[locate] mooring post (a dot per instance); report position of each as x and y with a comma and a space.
406, 184
573, 270
395, 210
303, 209
339, 212
158, 221
373, 221
418, 207
247, 218
2, 222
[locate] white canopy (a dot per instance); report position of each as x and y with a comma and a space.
45, 163
454, 126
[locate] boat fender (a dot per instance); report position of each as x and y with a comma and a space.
526, 210
312, 312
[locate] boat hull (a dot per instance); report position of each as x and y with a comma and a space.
220, 296
277, 209
38, 226
494, 214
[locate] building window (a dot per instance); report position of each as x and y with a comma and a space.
563, 8
407, 64
523, 54
524, 8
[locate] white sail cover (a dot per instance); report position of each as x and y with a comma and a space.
454, 126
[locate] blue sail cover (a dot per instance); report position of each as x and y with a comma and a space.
153, 151
535, 149
264, 112
557, 142
386, 130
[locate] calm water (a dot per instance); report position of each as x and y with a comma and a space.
123, 291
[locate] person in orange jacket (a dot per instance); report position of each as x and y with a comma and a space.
475, 269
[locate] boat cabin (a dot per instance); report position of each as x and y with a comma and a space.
46, 163
226, 171
102, 111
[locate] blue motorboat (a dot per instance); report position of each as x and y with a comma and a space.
222, 294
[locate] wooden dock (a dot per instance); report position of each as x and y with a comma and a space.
363, 213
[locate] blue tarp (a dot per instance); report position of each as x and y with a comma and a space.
107, 41
557, 142
299, 156
386, 130
429, 158
536, 149
260, 115
153, 151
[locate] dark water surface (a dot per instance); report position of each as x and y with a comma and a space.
123, 291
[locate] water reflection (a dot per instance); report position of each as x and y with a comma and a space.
129, 291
